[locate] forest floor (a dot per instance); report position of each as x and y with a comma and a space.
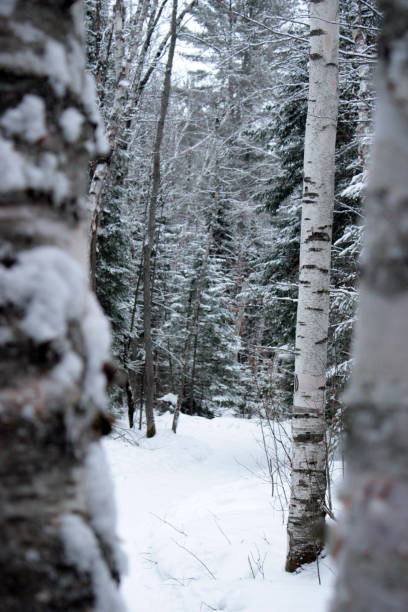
199, 526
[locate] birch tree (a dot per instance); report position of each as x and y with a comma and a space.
58, 547
306, 514
372, 541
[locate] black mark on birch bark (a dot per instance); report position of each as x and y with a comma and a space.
318, 236
309, 437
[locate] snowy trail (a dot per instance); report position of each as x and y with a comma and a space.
192, 509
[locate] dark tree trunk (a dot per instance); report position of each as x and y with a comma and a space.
147, 249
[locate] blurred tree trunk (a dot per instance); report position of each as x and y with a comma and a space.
373, 538
306, 516
58, 552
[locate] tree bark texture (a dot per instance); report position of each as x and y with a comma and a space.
363, 131
308, 485
372, 539
58, 551
147, 248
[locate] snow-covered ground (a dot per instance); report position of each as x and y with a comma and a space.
199, 526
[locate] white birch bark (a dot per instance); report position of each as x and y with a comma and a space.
58, 547
306, 517
372, 540
364, 90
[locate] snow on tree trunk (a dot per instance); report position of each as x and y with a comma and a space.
306, 516
373, 537
58, 551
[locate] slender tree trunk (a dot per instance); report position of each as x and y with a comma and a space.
373, 537
193, 371
147, 248
192, 332
130, 403
364, 92
58, 549
192, 327
141, 84
306, 516
141, 399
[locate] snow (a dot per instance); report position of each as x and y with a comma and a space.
102, 509
64, 66
56, 67
171, 398
26, 120
52, 283
82, 550
7, 7
27, 32
96, 332
71, 122
11, 168
17, 172
68, 370
199, 526
89, 98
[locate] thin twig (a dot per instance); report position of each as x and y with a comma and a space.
328, 512
208, 606
195, 557
252, 569
169, 524
318, 569
220, 528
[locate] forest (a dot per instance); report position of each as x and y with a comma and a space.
203, 298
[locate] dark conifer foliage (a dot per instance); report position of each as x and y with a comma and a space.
231, 177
